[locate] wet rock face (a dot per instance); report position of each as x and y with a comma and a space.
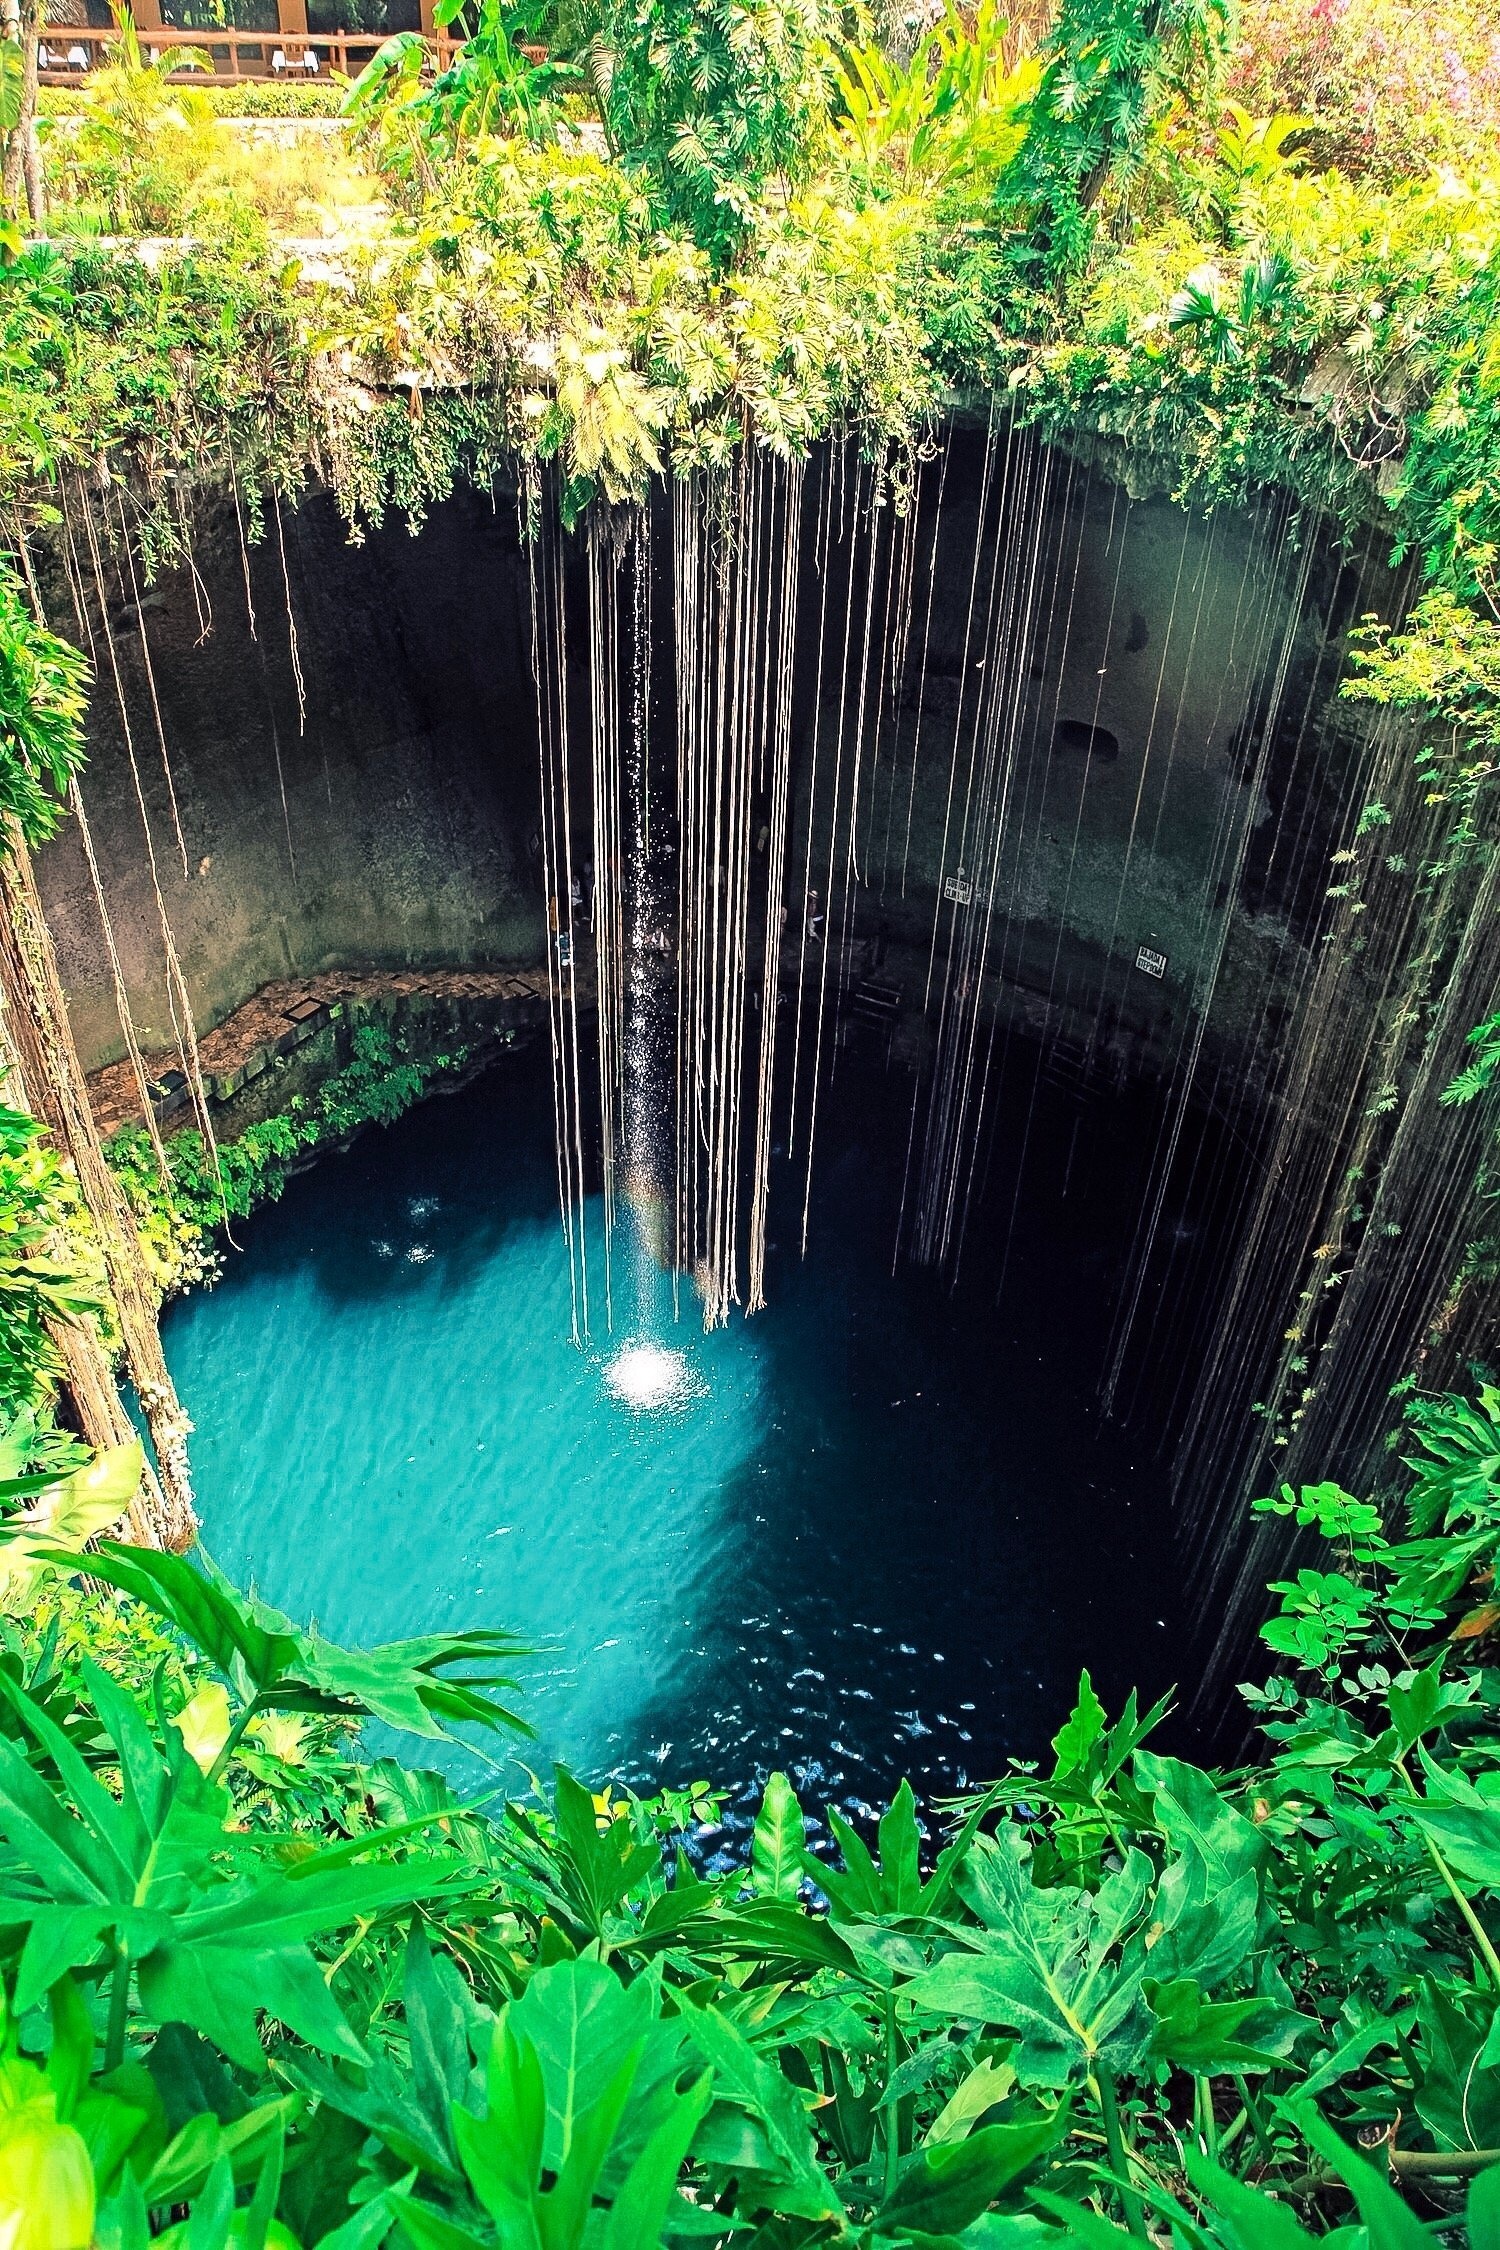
386, 826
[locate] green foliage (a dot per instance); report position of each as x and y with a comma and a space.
408, 1684
1476, 1077
1443, 668
43, 695
38, 1199
61, 1512
956, 107
137, 130
251, 97
1072, 229
493, 84
1107, 67
712, 105
1125, 1988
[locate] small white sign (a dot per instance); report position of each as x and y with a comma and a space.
1152, 963
959, 888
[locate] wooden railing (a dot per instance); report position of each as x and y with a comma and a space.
300, 58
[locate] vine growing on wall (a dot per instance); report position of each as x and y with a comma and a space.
179, 1220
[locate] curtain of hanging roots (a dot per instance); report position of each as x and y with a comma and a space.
56, 1091
549, 668
736, 542
1359, 1198
179, 1001
1391, 1181
161, 1515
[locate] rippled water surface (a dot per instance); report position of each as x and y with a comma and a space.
864, 1534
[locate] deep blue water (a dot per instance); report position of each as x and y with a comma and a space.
876, 1538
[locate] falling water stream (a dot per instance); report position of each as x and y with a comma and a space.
866, 1534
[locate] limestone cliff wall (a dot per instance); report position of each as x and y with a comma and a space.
396, 829
394, 823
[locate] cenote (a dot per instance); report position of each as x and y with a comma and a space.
750, 1125
863, 1537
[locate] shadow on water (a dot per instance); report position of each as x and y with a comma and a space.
407, 1198
874, 1533
936, 1527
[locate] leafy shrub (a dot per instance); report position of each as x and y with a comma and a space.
1390, 89
252, 1979
251, 97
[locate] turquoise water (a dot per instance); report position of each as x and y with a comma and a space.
869, 1536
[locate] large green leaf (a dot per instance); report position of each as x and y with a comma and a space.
214, 1927
598, 1863
942, 2189
1196, 1817
1055, 1966
1458, 2085
1483, 2212
66, 1513
778, 1851
408, 1684
775, 2138
1202, 2036
552, 2141
1463, 1823
581, 2022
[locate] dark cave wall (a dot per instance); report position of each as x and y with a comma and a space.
1178, 762
410, 794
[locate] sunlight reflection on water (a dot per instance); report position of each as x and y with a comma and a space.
647, 1378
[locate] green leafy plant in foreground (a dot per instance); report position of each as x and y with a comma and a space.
1122, 1996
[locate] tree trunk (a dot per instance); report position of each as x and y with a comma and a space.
21, 21
89, 1377
37, 1022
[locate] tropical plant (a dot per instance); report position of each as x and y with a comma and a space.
956, 107
1222, 322
43, 697
497, 83
1108, 69
38, 1287
141, 138
270, 1665
713, 106
1123, 1995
